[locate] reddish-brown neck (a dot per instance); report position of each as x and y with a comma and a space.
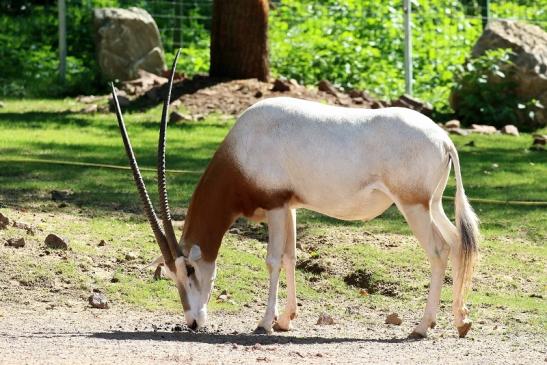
223, 194
212, 209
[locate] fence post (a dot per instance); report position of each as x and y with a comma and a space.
177, 29
62, 40
408, 46
485, 12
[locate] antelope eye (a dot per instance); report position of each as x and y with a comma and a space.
190, 270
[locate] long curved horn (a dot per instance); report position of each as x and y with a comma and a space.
162, 183
148, 208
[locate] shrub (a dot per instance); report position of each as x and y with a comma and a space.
359, 44
484, 91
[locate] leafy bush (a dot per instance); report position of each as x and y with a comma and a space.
359, 44
484, 91
29, 58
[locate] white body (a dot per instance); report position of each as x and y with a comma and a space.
353, 164
337, 160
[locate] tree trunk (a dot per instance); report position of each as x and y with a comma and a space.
239, 39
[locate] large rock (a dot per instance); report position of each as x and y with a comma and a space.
529, 43
127, 40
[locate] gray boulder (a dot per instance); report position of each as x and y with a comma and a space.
529, 43
127, 40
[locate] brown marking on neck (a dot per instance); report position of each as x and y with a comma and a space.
222, 195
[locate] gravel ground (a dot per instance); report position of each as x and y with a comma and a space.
93, 336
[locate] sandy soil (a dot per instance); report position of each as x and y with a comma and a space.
92, 336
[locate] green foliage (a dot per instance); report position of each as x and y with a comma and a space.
353, 43
29, 57
359, 44
484, 90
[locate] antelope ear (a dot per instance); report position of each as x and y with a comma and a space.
195, 253
157, 261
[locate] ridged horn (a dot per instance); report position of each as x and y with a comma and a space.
148, 208
162, 183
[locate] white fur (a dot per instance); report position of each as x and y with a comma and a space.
334, 158
349, 164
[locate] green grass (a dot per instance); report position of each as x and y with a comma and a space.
105, 206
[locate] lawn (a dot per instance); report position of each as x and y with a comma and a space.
43, 144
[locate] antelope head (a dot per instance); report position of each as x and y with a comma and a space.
193, 276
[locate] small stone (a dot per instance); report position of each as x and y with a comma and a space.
483, 129
355, 94
510, 130
223, 296
540, 140
54, 241
325, 320
102, 243
131, 256
60, 195
358, 100
281, 85
93, 108
458, 131
4, 221
98, 300
363, 292
393, 318
326, 86
259, 94
177, 328
454, 123
16, 242
177, 117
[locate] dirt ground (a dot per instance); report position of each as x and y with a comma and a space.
40, 324
81, 335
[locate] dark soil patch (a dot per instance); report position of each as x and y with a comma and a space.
364, 279
243, 228
312, 266
201, 95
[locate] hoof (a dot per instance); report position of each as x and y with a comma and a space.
278, 328
261, 331
462, 330
416, 336
432, 325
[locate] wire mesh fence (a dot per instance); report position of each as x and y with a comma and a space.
443, 33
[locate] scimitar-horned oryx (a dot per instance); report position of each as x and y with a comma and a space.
352, 164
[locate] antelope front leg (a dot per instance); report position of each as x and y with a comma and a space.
277, 233
289, 262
